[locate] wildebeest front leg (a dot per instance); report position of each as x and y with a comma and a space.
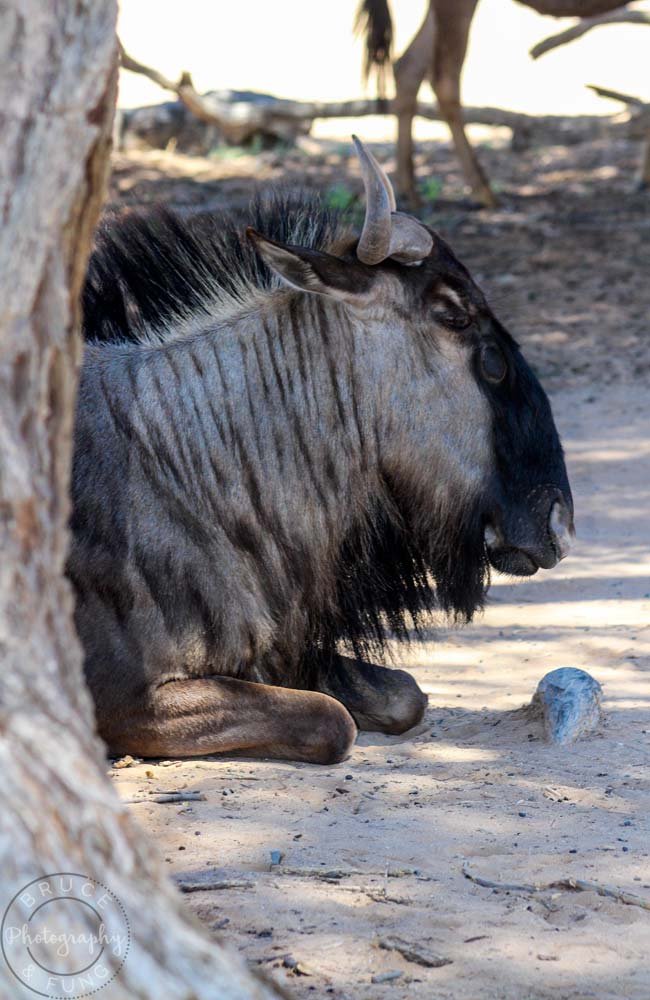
189, 718
378, 698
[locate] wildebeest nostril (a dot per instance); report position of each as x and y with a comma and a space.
559, 526
491, 537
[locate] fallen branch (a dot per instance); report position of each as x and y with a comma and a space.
334, 874
239, 119
584, 25
616, 95
213, 886
637, 126
168, 797
412, 953
570, 884
184, 89
326, 874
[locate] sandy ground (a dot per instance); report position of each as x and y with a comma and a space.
477, 786
375, 847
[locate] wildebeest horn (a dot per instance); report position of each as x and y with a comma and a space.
383, 177
387, 233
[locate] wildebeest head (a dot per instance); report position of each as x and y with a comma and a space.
466, 441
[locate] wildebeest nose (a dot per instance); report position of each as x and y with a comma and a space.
560, 526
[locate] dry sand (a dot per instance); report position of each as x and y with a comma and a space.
475, 786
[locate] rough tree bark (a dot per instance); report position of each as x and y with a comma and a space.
59, 813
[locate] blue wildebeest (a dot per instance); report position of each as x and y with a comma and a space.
286, 445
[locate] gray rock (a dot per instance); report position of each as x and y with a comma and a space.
569, 701
387, 977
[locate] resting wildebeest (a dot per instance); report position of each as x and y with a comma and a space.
285, 443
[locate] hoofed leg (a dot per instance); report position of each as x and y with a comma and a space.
406, 187
379, 699
453, 19
189, 718
409, 71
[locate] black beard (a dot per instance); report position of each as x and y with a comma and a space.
402, 566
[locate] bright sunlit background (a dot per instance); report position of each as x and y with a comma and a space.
306, 49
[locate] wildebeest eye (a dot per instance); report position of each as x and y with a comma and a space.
456, 320
493, 363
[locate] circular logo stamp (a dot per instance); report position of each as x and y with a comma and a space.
65, 935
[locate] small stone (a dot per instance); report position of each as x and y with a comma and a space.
126, 761
569, 701
387, 977
296, 967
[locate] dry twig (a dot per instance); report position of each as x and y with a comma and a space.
334, 874
586, 24
570, 884
413, 953
616, 95
168, 797
213, 885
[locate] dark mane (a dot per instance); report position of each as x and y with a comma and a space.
148, 269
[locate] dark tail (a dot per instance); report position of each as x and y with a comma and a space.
374, 20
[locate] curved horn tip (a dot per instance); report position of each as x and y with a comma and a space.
369, 160
374, 242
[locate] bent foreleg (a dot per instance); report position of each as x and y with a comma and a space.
189, 718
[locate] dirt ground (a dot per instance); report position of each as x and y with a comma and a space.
311, 867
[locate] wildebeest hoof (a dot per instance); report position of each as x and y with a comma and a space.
333, 733
407, 706
569, 702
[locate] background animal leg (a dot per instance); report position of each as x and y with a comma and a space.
189, 718
379, 699
409, 71
453, 19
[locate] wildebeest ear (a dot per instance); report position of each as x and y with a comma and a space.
312, 270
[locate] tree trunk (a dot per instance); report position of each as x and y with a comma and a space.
59, 813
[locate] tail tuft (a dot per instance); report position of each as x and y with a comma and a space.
373, 20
